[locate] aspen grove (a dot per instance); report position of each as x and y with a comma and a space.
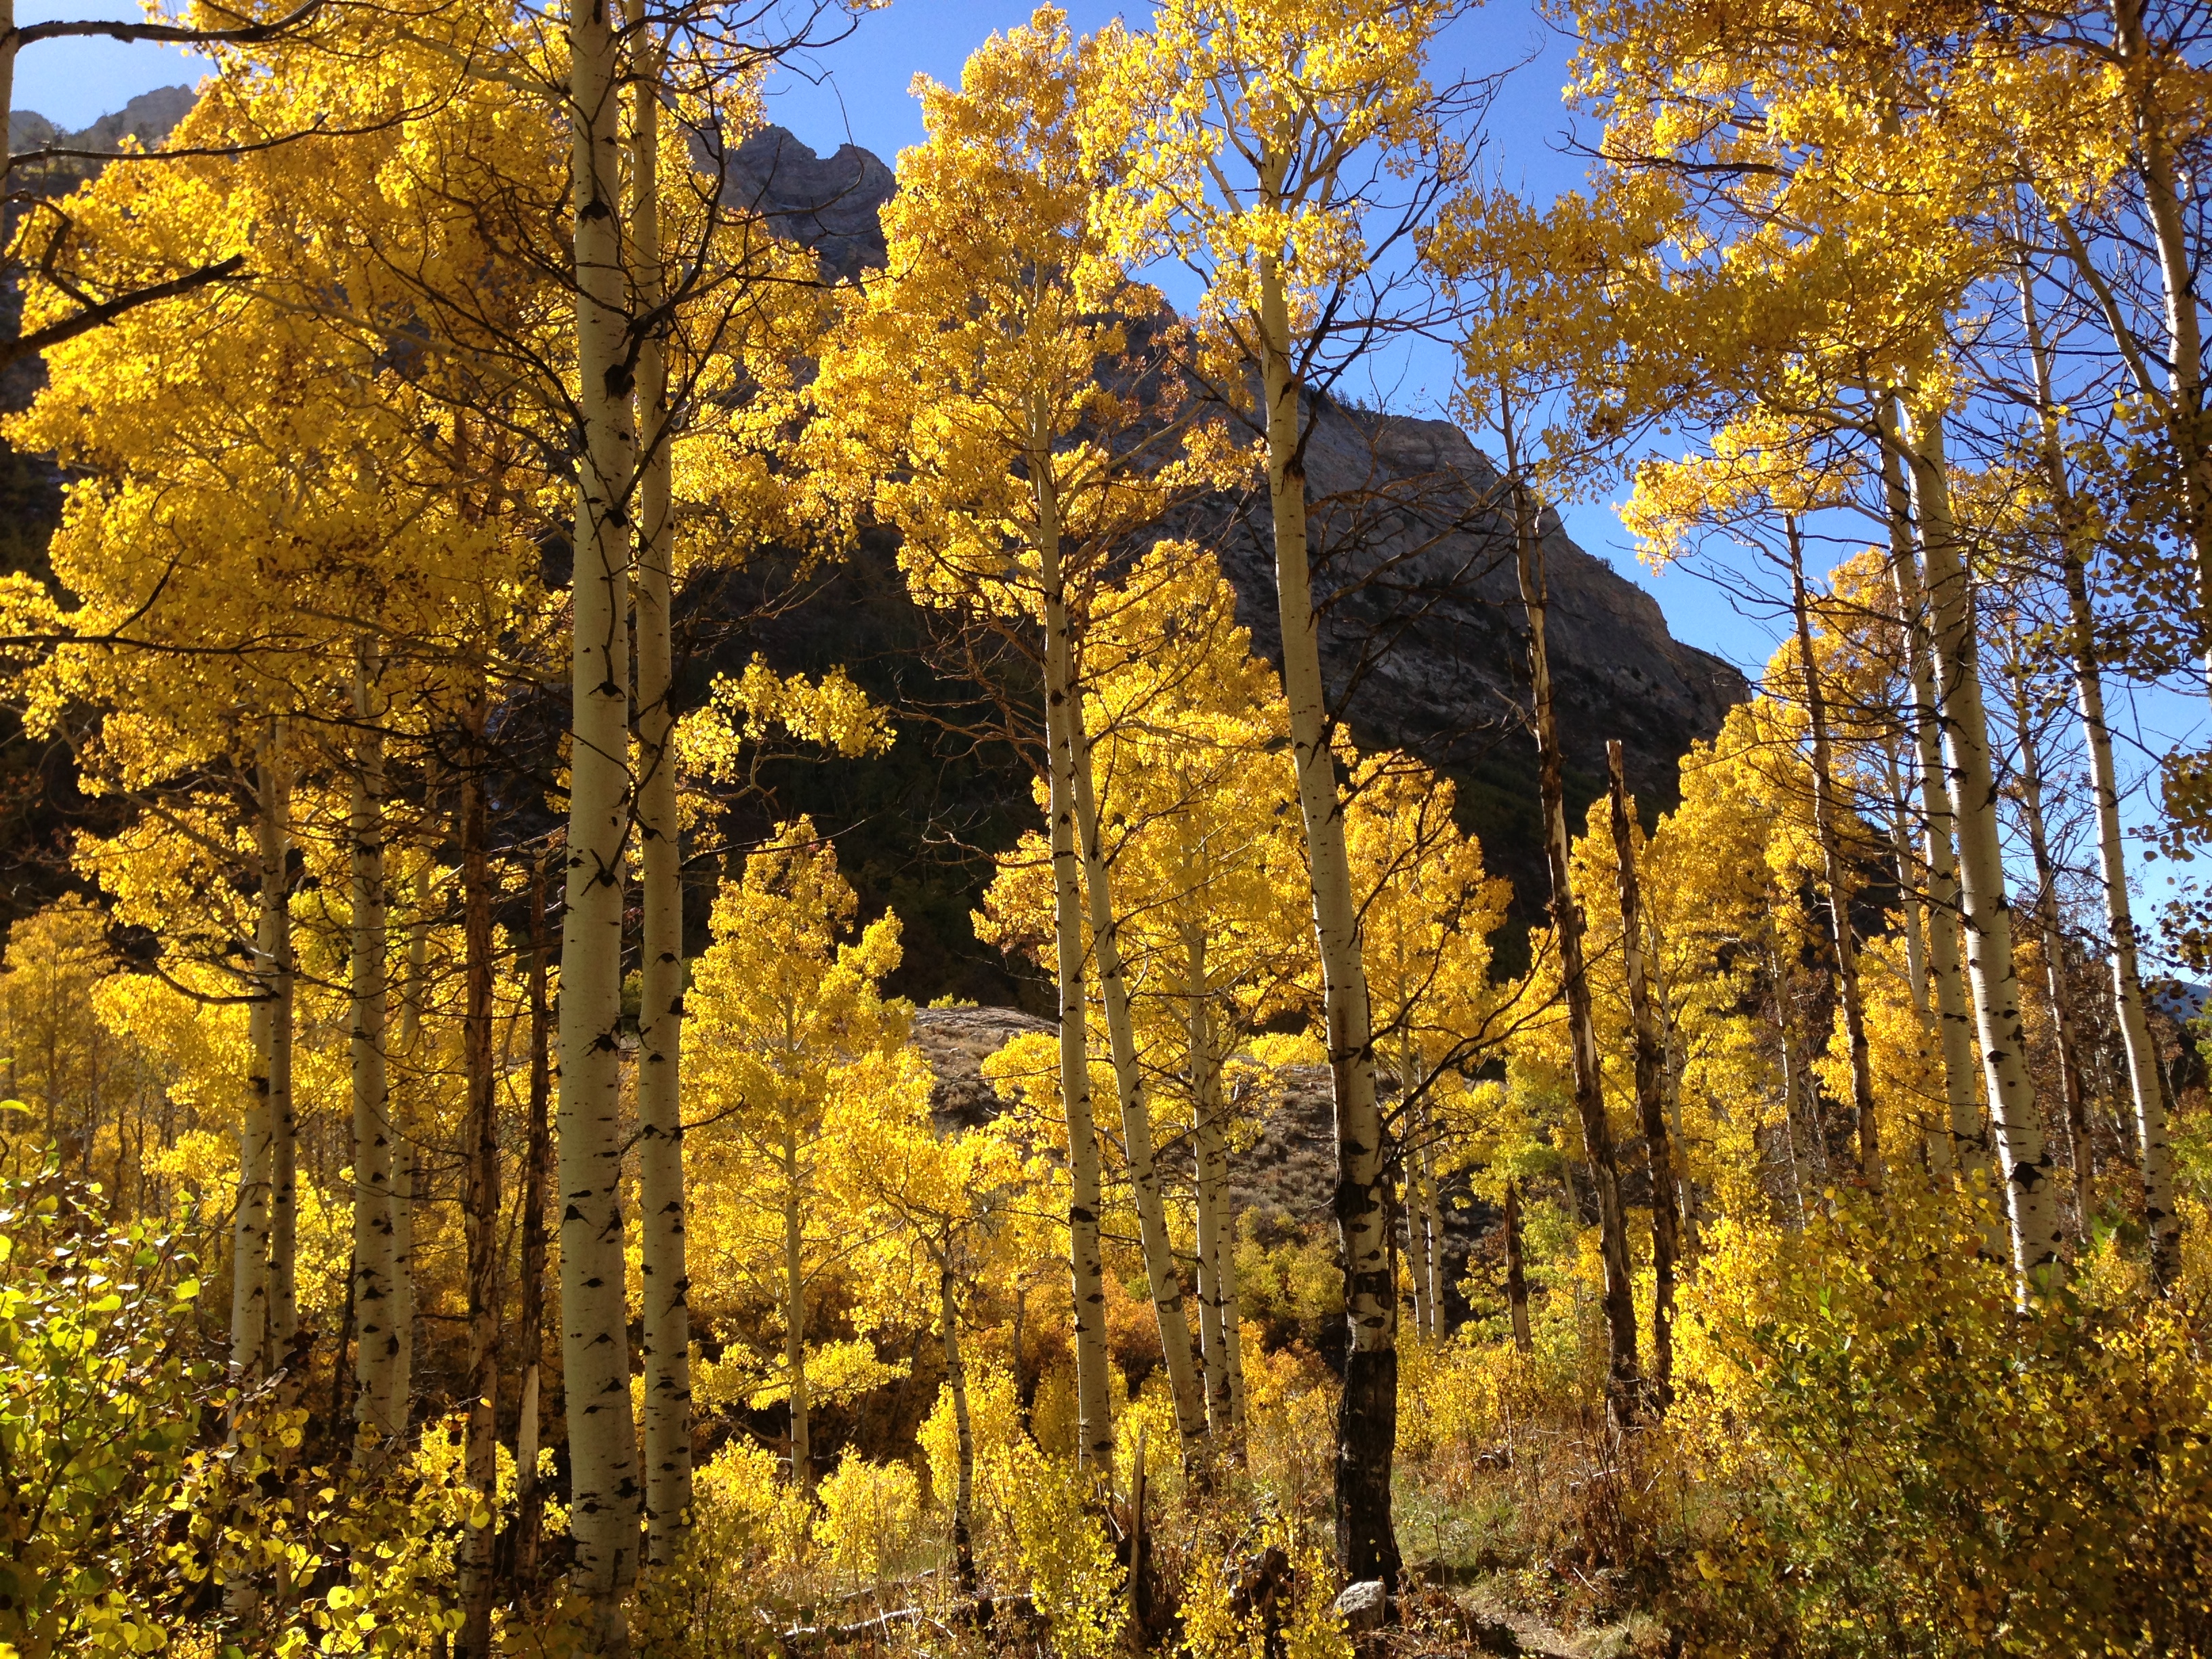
767, 905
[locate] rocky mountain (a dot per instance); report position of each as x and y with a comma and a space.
1424, 641
827, 203
149, 118
1422, 638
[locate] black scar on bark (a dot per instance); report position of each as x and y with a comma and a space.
1366, 1435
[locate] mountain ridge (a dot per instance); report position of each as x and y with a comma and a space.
1423, 640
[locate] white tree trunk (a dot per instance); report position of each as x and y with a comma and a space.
1367, 1422
249, 1230
667, 1328
1960, 1143
1987, 913
1160, 1276
2153, 1149
377, 1399
1210, 1148
1087, 1263
604, 1473
1908, 881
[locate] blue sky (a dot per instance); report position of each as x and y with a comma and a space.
857, 90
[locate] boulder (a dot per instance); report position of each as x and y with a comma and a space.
1364, 1607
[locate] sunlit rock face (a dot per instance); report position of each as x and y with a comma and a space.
1424, 640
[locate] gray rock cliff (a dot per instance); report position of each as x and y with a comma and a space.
1424, 641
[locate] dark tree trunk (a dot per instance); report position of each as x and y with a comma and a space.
1366, 1438
538, 1159
1516, 1271
480, 1188
1825, 817
1650, 1090
1621, 1384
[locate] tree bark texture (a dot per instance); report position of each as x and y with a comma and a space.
666, 1324
379, 1404
604, 1474
250, 1216
1987, 911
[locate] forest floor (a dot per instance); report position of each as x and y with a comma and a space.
1487, 1617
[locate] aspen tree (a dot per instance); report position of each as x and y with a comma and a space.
1165, 1282
1002, 369
1085, 1201
2153, 1147
1217, 1252
1242, 126
1825, 815
273, 948
1962, 1145
1190, 724
249, 1231
937, 1210
603, 1475
2053, 937
537, 1157
1650, 1065
378, 1401
1621, 1374
1986, 912
480, 1180
790, 1018
667, 1327
1427, 910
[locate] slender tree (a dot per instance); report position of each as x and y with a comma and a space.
666, 1331
602, 1455
1650, 1068
1826, 815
